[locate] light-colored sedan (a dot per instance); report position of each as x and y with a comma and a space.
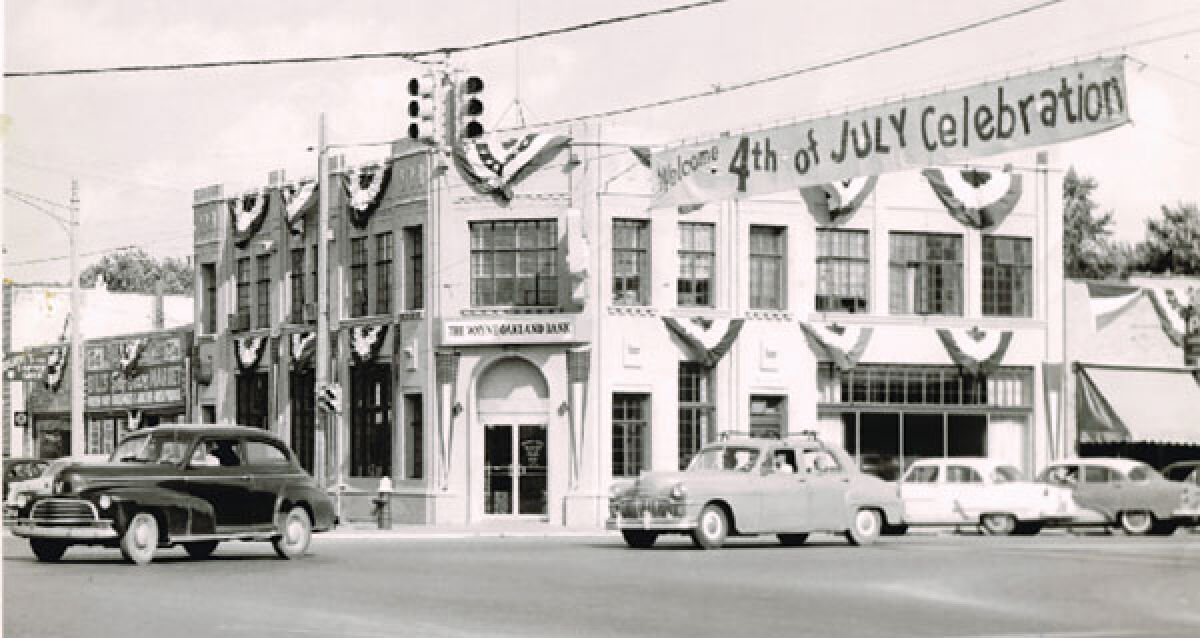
1122, 492
980, 491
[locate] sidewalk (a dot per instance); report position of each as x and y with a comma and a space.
497, 529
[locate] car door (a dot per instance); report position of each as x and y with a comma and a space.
922, 491
828, 483
220, 477
784, 492
965, 493
271, 468
1101, 490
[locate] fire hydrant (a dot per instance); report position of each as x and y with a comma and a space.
383, 504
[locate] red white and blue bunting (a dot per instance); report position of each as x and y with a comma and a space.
1178, 312
976, 197
366, 341
843, 345
56, 367
248, 213
248, 351
297, 200
977, 351
494, 168
706, 339
303, 348
838, 200
364, 190
1109, 301
130, 351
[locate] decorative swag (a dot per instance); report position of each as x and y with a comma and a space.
297, 200
976, 197
248, 351
707, 339
366, 341
130, 352
843, 345
304, 349
836, 201
56, 367
364, 191
976, 351
248, 213
1108, 302
493, 169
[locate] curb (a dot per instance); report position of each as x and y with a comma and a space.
454, 535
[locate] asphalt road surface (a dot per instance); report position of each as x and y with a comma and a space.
1053, 585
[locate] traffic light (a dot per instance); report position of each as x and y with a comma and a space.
469, 107
422, 108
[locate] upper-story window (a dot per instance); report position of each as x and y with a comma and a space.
384, 253
358, 277
264, 291
926, 274
631, 262
414, 276
315, 285
208, 306
1007, 277
243, 286
767, 258
697, 257
843, 270
296, 279
514, 263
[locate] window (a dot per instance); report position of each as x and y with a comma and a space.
926, 274
225, 452
928, 385
962, 474
1007, 277
1141, 473
922, 474
631, 262
696, 260
1098, 474
371, 421
208, 304
263, 263
243, 286
384, 253
843, 270
252, 396
767, 244
414, 437
767, 417
630, 434
514, 263
315, 286
296, 275
695, 409
263, 453
301, 389
414, 277
358, 277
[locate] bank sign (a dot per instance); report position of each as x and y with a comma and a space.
1029, 110
536, 329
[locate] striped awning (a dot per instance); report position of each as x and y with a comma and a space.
1127, 404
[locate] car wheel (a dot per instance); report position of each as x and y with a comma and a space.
1136, 523
1163, 528
639, 539
47, 550
140, 539
997, 524
894, 530
792, 540
200, 549
294, 535
711, 528
1028, 529
865, 527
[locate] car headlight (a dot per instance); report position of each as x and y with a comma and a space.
21, 499
679, 491
105, 501
61, 487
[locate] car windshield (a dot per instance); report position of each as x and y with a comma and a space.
730, 459
1006, 474
158, 447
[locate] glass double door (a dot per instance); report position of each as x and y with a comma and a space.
514, 469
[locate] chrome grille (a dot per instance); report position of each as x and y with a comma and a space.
62, 510
638, 506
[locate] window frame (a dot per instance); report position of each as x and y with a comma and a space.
633, 432
544, 255
697, 409
757, 262
931, 294
385, 255
688, 257
830, 257
414, 282
358, 277
1019, 277
639, 252
296, 274
262, 266
245, 294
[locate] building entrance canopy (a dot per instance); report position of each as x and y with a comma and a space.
1124, 404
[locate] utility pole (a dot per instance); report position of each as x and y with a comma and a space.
325, 418
75, 359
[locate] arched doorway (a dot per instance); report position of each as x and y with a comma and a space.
513, 408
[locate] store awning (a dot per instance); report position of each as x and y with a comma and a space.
1137, 404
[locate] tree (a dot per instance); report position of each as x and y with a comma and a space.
133, 270
1087, 251
1172, 243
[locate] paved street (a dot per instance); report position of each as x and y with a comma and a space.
925, 585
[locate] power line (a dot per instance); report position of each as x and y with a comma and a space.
408, 55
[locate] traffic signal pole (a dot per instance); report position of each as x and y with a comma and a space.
324, 418
75, 364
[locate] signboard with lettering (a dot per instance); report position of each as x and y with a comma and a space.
1023, 111
26, 366
136, 372
497, 330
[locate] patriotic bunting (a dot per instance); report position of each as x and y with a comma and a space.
838, 200
130, 352
304, 349
978, 351
364, 190
844, 345
297, 200
1178, 317
248, 213
249, 351
56, 367
707, 339
365, 342
492, 168
1108, 301
979, 198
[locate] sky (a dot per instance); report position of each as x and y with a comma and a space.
140, 143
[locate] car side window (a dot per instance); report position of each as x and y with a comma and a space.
962, 474
784, 461
1099, 474
264, 453
1141, 473
217, 453
922, 474
1005, 474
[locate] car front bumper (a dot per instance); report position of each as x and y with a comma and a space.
97, 530
651, 524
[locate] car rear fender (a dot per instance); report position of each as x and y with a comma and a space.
882, 499
315, 502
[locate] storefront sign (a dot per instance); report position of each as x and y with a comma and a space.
26, 366
1029, 110
543, 329
156, 378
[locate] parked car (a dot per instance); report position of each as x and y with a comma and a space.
1118, 492
743, 486
189, 485
22, 469
980, 491
1187, 473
